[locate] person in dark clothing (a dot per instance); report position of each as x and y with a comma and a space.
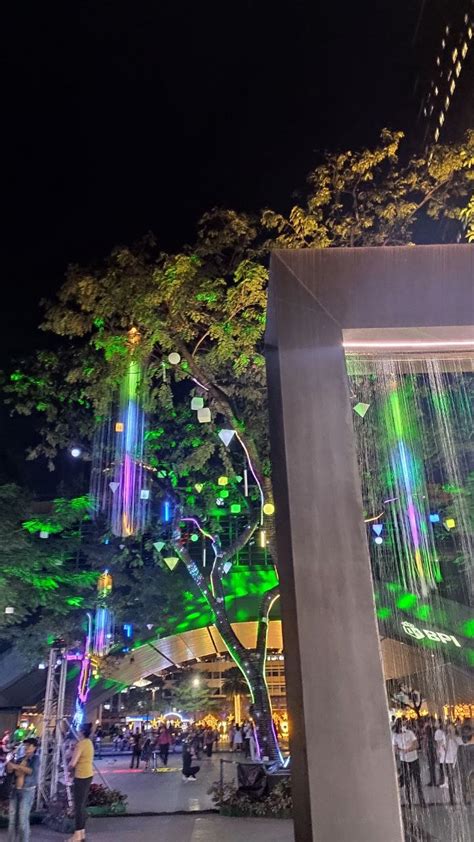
430, 745
164, 742
23, 792
136, 749
189, 771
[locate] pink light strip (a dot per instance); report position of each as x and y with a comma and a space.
262, 496
448, 343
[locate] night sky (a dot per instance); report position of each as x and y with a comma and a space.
124, 117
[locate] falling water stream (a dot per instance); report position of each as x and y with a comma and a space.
413, 419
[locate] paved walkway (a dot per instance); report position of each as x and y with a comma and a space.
177, 829
163, 791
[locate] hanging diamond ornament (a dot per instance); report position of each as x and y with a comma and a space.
158, 545
113, 486
171, 562
361, 408
226, 436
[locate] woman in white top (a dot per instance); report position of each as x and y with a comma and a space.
238, 739
447, 743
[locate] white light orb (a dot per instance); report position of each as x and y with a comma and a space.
76, 452
174, 358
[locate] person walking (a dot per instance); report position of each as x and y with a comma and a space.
146, 753
23, 792
81, 763
164, 742
209, 741
189, 771
136, 749
448, 744
406, 744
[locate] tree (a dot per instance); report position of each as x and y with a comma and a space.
206, 306
233, 688
192, 698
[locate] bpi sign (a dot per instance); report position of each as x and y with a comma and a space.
439, 637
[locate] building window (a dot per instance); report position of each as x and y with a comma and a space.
446, 103
438, 60
436, 134
455, 55
436, 91
441, 118
452, 87
464, 50
469, 33
458, 68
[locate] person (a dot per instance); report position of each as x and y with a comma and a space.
253, 744
406, 744
189, 771
146, 753
246, 731
136, 749
23, 792
164, 742
81, 764
430, 746
448, 742
238, 738
209, 741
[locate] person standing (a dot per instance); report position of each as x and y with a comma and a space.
430, 745
209, 741
23, 793
238, 738
81, 763
136, 749
146, 753
448, 744
406, 744
164, 742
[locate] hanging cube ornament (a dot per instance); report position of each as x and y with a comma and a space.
9, 609
144, 494
227, 566
204, 415
197, 403
44, 534
119, 427
235, 509
361, 408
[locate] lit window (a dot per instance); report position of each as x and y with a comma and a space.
447, 30
431, 109
458, 68
450, 74
453, 86
446, 103
455, 54
436, 91
441, 118
469, 33
425, 112
464, 50
443, 43
438, 60
436, 134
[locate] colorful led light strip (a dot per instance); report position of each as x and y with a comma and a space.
449, 343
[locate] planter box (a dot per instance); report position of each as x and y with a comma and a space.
117, 809
235, 812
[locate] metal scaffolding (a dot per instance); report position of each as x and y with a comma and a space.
55, 728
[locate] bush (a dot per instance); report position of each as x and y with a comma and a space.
100, 796
277, 804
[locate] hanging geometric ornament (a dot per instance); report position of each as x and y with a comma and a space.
223, 481
235, 509
226, 436
113, 486
197, 403
149, 626
199, 486
158, 545
204, 415
174, 358
119, 427
9, 609
171, 562
377, 528
227, 566
145, 494
44, 534
269, 509
361, 408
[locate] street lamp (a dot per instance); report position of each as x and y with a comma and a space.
196, 682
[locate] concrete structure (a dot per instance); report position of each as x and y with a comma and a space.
319, 302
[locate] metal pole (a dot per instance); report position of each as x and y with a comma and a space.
41, 794
58, 733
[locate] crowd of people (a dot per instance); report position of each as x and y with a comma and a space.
442, 745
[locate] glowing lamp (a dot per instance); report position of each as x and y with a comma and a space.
449, 523
219, 501
263, 538
434, 517
378, 540
9, 609
269, 509
223, 481
44, 534
42, 666
377, 528
224, 493
199, 486
227, 566
76, 452
144, 494
196, 682
197, 403
236, 509
119, 427
194, 537
226, 436
204, 415
174, 358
